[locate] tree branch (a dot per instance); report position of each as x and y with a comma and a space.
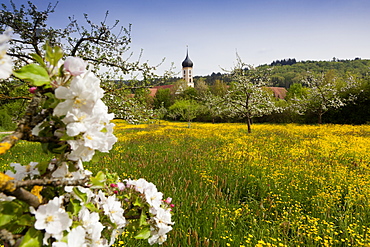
24, 128
5, 97
50, 182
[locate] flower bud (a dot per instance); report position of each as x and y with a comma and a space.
75, 65
32, 90
121, 186
168, 200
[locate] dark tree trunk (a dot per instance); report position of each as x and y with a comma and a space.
249, 124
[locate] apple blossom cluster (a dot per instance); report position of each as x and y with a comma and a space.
83, 112
6, 64
90, 214
159, 209
87, 229
84, 228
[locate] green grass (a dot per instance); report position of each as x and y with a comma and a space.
282, 185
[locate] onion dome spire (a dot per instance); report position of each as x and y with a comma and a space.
187, 62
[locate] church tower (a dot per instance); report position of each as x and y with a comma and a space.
187, 70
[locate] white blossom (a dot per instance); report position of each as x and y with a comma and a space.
153, 197
6, 64
76, 238
80, 151
163, 217
22, 172
52, 218
91, 223
82, 93
75, 65
140, 184
159, 235
113, 209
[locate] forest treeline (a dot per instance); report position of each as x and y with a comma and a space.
285, 72
336, 91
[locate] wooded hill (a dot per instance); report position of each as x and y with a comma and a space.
288, 71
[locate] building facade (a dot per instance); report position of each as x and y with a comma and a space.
187, 70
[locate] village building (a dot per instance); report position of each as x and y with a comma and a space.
187, 76
187, 70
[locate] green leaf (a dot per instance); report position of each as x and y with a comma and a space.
143, 219
33, 238
26, 220
53, 54
11, 208
72, 167
44, 147
74, 206
33, 73
42, 166
98, 181
137, 202
52, 101
66, 137
91, 207
5, 219
38, 59
81, 195
143, 233
59, 149
95, 159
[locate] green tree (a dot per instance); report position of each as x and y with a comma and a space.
325, 91
246, 97
214, 105
219, 88
162, 98
189, 93
296, 90
187, 110
201, 87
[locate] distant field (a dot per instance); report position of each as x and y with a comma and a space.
281, 185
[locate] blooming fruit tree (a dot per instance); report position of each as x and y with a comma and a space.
57, 202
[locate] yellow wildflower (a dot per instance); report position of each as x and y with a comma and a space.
4, 147
36, 191
4, 182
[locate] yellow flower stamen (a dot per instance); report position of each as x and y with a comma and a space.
50, 218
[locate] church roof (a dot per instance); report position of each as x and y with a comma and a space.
187, 62
279, 92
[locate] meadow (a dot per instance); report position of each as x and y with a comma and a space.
281, 185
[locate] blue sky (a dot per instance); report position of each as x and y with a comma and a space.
260, 31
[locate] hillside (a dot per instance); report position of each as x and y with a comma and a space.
288, 71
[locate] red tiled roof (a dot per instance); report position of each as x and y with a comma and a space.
154, 90
279, 92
